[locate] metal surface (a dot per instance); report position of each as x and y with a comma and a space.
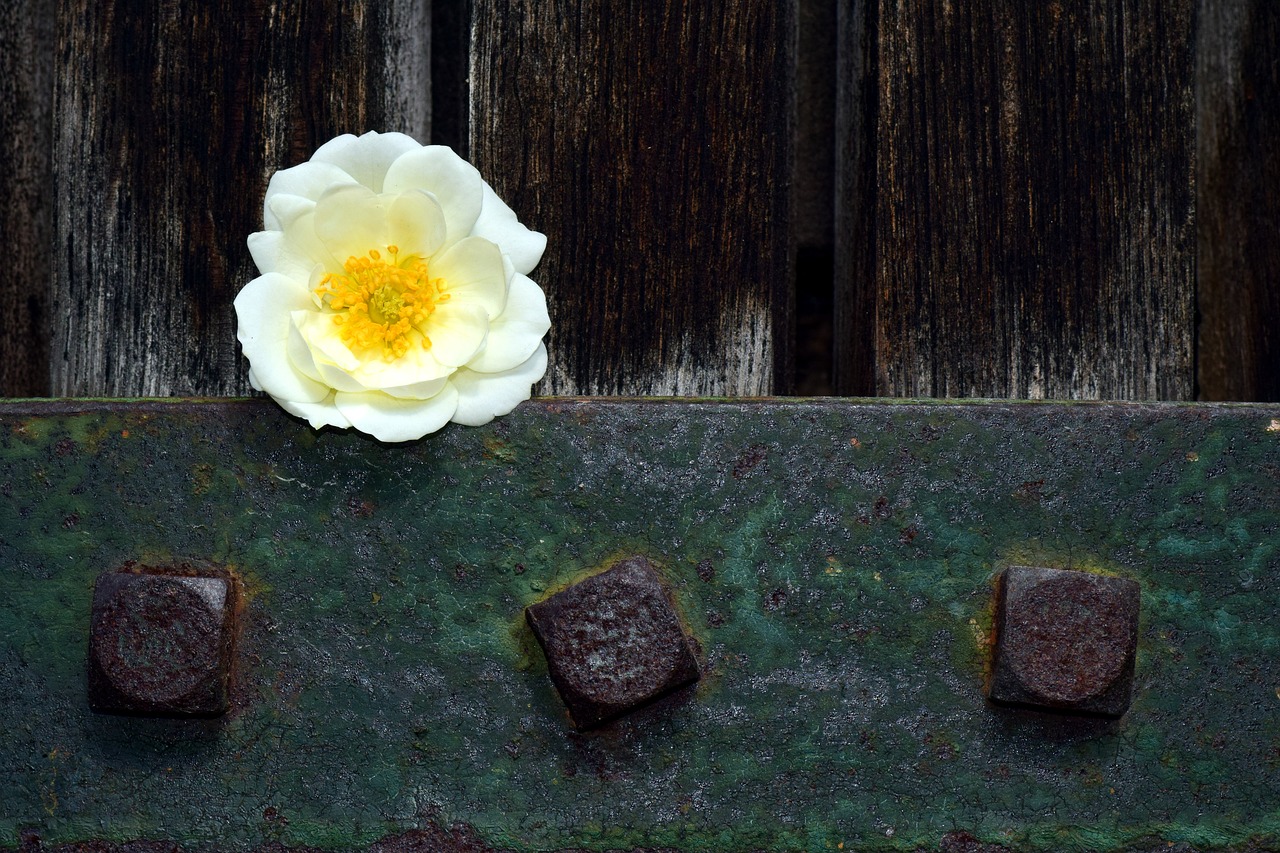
613, 642
835, 563
1065, 640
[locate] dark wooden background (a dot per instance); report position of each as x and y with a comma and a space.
1071, 198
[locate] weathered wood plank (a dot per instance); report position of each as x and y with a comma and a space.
652, 143
26, 215
1035, 216
855, 202
168, 124
450, 59
812, 194
1238, 203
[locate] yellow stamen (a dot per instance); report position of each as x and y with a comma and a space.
377, 304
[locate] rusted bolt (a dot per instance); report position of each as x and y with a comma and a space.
1065, 641
613, 642
160, 643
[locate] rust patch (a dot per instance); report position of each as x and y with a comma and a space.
750, 458
1030, 491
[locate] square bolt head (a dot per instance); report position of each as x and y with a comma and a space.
160, 644
1065, 641
613, 642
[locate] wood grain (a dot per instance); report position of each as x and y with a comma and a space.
1034, 228
168, 124
26, 215
854, 351
651, 142
450, 59
1238, 77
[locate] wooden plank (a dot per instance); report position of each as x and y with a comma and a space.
854, 349
811, 193
1034, 224
168, 124
652, 143
1238, 202
26, 216
450, 59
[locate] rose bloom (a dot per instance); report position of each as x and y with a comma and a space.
394, 294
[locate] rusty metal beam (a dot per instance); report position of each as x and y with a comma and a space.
834, 566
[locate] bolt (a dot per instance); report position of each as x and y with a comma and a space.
613, 642
1065, 641
160, 642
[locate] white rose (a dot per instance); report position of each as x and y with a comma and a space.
394, 294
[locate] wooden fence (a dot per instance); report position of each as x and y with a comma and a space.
1071, 198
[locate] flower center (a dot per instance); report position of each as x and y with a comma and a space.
378, 304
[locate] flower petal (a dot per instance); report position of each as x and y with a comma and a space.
306, 180
319, 414
351, 220
390, 419
498, 223
294, 253
455, 182
457, 331
473, 272
416, 224
263, 309
283, 209
299, 350
366, 158
418, 390
517, 331
484, 396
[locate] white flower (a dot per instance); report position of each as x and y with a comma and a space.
394, 294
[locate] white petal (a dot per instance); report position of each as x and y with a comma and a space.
390, 419
418, 390
263, 311
365, 158
299, 350
457, 332
294, 253
339, 379
324, 341
350, 221
267, 249
415, 366
474, 272
517, 331
415, 224
283, 210
483, 396
452, 180
498, 223
306, 180
321, 414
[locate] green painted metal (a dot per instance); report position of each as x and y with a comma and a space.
834, 561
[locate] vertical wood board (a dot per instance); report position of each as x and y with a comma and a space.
169, 122
652, 143
1034, 227
26, 215
1238, 119
854, 352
